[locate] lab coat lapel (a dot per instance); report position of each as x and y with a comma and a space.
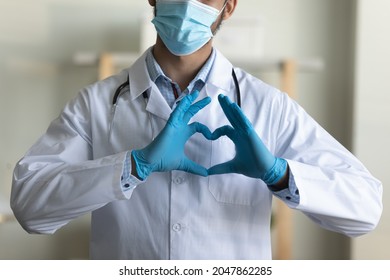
219, 81
220, 77
140, 82
157, 105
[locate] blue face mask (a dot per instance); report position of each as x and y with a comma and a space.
184, 25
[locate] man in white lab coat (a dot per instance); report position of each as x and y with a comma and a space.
172, 168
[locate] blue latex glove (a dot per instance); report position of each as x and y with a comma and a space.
166, 151
252, 158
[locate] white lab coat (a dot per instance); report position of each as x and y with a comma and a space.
76, 168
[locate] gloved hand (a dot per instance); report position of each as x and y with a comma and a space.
166, 151
252, 158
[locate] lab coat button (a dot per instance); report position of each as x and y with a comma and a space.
176, 227
178, 180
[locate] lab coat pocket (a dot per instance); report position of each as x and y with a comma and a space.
233, 188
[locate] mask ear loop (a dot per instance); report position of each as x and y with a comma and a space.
220, 12
223, 8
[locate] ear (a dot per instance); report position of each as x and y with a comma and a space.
229, 9
152, 3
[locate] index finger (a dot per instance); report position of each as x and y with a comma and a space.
183, 106
195, 108
234, 113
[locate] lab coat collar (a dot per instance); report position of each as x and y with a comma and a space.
140, 82
221, 73
139, 78
219, 80
157, 105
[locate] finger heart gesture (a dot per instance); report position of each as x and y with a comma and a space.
252, 158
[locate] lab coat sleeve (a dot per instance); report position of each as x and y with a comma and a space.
58, 180
336, 190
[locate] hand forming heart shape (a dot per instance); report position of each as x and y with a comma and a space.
252, 158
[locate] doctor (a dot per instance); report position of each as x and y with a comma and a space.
173, 168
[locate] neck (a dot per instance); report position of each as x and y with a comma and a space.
181, 69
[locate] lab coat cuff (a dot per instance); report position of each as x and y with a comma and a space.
291, 194
302, 175
128, 181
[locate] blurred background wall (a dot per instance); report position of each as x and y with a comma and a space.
349, 96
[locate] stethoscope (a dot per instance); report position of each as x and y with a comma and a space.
119, 90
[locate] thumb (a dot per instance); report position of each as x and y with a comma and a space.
223, 168
192, 167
